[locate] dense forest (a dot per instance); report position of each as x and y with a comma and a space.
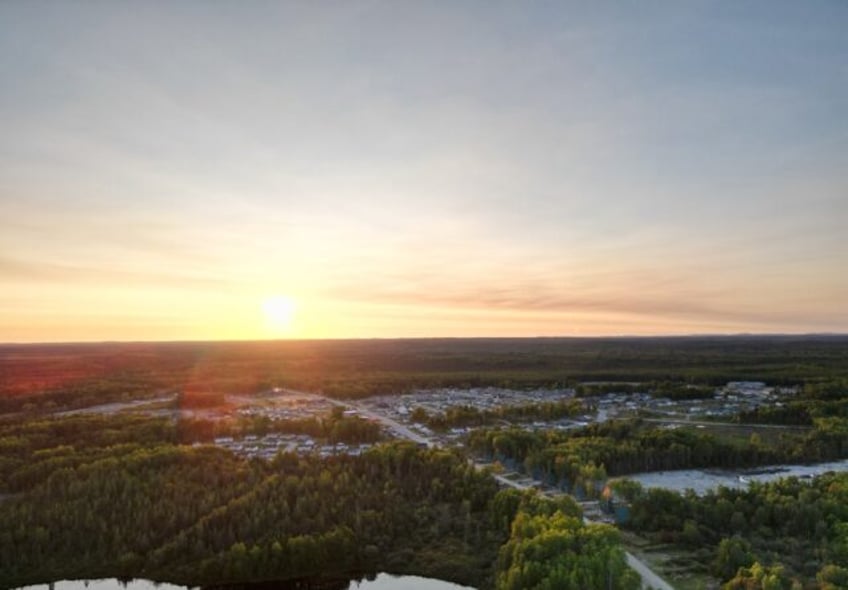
92, 497
786, 534
550, 548
580, 460
815, 402
75, 375
119, 496
332, 427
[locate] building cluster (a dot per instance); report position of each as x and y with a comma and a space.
398, 413
267, 446
752, 390
438, 401
727, 401
400, 408
286, 405
620, 405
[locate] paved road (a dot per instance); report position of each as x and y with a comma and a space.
115, 407
394, 425
649, 578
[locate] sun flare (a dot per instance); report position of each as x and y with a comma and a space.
279, 312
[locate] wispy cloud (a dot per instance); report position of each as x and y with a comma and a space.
14, 269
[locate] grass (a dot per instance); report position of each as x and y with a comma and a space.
684, 570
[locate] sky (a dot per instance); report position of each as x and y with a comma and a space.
244, 170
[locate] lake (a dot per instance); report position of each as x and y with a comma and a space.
701, 481
381, 582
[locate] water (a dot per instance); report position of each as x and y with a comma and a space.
381, 582
701, 481
388, 582
108, 584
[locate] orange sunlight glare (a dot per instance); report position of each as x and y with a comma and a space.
279, 312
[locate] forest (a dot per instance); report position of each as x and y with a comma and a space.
67, 376
90, 497
786, 534
813, 403
550, 548
580, 460
333, 427
119, 496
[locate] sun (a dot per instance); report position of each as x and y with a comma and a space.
279, 312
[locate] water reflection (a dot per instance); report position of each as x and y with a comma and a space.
380, 582
387, 582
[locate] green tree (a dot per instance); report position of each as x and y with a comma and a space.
732, 554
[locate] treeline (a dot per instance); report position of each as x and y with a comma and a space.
595, 389
675, 390
682, 391
465, 415
102, 498
788, 414
832, 389
31, 450
822, 400
66, 374
550, 548
74, 396
333, 427
785, 534
580, 460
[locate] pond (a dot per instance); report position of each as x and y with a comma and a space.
380, 582
701, 481
388, 582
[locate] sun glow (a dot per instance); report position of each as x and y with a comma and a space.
279, 313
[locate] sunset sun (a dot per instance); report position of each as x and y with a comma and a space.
279, 312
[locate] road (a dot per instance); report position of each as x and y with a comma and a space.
650, 579
115, 407
394, 425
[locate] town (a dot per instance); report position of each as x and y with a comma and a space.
397, 414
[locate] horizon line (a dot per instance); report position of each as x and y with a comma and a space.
706, 335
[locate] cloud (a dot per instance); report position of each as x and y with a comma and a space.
16, 270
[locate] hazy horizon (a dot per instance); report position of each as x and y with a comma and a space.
728, 336
198, 171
